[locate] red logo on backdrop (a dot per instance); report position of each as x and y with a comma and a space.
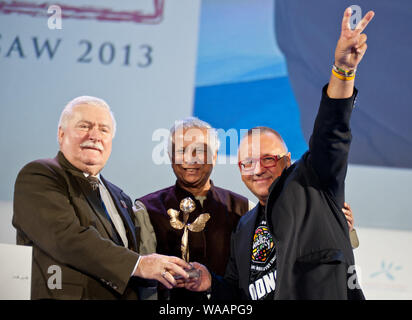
85, 12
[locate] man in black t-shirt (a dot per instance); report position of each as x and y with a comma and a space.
262, 281
263, 156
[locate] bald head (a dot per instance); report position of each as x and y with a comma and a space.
251, 142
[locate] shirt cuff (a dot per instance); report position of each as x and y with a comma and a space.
137, 264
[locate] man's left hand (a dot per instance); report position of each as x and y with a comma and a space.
348, 215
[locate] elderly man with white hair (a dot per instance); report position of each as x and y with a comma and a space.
193, 152
87, 240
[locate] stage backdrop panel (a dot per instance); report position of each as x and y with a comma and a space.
139, 56
241, 76
384, 264
307, 32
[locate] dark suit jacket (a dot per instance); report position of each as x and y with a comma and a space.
303, 210
57, 213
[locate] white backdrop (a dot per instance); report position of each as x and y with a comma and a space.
383, 259
145, 71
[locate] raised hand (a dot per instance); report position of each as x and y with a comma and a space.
348, 53
161, 268
352, 43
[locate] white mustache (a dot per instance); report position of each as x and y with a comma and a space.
91, 144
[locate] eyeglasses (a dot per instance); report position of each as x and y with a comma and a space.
267, 161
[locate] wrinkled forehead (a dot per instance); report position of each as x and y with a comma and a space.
260, 144
190, 136
91, 113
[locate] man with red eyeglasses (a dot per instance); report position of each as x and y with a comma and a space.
263, 157
295, 243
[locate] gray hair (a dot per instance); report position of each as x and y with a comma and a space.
89, 100
193, 122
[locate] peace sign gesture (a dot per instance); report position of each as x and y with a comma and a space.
352, 43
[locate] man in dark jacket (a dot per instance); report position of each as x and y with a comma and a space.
193, 152
295, 243
87, 241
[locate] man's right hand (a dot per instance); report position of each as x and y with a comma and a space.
161, 268
203, 283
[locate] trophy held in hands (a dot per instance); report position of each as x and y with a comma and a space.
187, 206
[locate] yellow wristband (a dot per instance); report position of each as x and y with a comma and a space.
341, 77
